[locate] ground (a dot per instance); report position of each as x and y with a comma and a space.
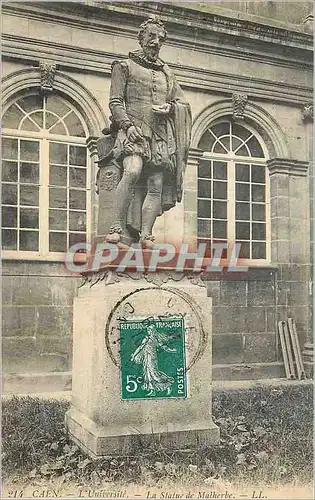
266, 448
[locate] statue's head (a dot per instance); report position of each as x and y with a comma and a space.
152, 34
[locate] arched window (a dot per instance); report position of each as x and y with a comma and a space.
45, 177
233, 190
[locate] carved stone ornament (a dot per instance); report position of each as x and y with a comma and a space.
239, 102
110, 277
109, 180
47, 76
307, 112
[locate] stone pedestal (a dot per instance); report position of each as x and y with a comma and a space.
100, 421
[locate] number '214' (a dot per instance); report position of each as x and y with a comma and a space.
132, 383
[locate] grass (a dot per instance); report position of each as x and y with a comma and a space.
266, 438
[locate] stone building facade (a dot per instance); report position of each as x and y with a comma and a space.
246, 69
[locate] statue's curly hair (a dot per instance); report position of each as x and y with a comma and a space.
153, 19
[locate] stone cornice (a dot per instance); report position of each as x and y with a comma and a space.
210, 31
237, 23
288, 167
194, 155
67, 56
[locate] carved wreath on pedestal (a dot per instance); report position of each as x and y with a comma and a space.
110, 277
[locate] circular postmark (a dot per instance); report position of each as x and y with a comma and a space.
151, 304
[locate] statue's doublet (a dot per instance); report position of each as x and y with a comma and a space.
145, 87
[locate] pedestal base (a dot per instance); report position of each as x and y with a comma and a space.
99, 441
114, 410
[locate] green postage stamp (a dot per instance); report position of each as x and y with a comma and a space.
153, 361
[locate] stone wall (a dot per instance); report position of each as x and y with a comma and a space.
246, 312
37, 301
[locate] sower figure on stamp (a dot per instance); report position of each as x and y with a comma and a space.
152, 120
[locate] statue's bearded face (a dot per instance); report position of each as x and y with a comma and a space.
152, 40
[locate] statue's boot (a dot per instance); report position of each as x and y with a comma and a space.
147, 242
113, 238
114, 235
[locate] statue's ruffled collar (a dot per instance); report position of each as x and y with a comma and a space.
139, 57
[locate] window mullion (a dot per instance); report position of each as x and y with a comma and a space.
89, 205
44, 198
268, 220
44, 112
18, 195
231, 204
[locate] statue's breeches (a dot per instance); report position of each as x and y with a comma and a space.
157, 152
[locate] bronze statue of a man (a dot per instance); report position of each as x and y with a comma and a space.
152, 123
